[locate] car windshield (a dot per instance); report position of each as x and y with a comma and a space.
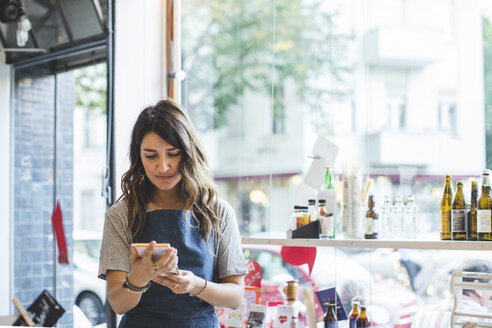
275, 269
88, 247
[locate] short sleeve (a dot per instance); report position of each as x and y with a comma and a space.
230, 259
115, 246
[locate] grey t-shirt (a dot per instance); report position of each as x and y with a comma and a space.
115, 248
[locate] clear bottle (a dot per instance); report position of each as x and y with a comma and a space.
312, 210
322, 208
410, 225
458, 212
293, 218
385, 218
471, 215
330, 318
397, 217
446, 201
484, 207
326, 221
372, 220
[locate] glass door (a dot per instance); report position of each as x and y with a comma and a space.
59, 147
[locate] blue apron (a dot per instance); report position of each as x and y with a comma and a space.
159, 306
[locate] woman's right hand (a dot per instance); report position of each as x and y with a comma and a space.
143, 269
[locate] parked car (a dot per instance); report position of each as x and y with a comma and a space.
432, 281
390, 304
386, 263
89, 290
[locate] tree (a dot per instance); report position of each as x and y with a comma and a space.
234, 46
90, 88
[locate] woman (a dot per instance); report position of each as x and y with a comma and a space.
168, 197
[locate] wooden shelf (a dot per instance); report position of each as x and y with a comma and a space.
364, 243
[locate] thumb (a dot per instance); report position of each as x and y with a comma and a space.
134, 255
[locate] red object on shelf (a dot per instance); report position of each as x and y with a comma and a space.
254, 275
299, 255
252, 280
57, 222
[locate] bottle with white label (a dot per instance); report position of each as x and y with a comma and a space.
484, 210
372, 221
458, 212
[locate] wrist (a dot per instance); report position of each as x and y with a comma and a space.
135, 289
136, 282
201, 287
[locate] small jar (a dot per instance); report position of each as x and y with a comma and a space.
291, 290
304, 216
293, 218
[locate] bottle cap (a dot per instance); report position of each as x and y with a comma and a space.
312, 201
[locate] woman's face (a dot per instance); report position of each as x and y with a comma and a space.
160, 161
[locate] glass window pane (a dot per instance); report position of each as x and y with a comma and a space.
399, 86
82, 18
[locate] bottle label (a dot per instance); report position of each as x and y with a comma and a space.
353, 324
331, 324
458, 220
369, 226
305, 219
375, 226
446, 221
483, 221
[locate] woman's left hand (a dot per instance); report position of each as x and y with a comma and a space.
185, 282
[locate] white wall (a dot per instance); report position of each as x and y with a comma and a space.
140, 67
5, 187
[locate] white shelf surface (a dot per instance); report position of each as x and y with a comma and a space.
365, 243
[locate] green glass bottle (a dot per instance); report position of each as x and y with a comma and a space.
328, 184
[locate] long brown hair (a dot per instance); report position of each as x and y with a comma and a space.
174, 126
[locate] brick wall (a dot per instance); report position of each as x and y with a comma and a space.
34, 190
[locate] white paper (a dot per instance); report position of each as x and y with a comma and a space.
304, 193
325, 149
315, 176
